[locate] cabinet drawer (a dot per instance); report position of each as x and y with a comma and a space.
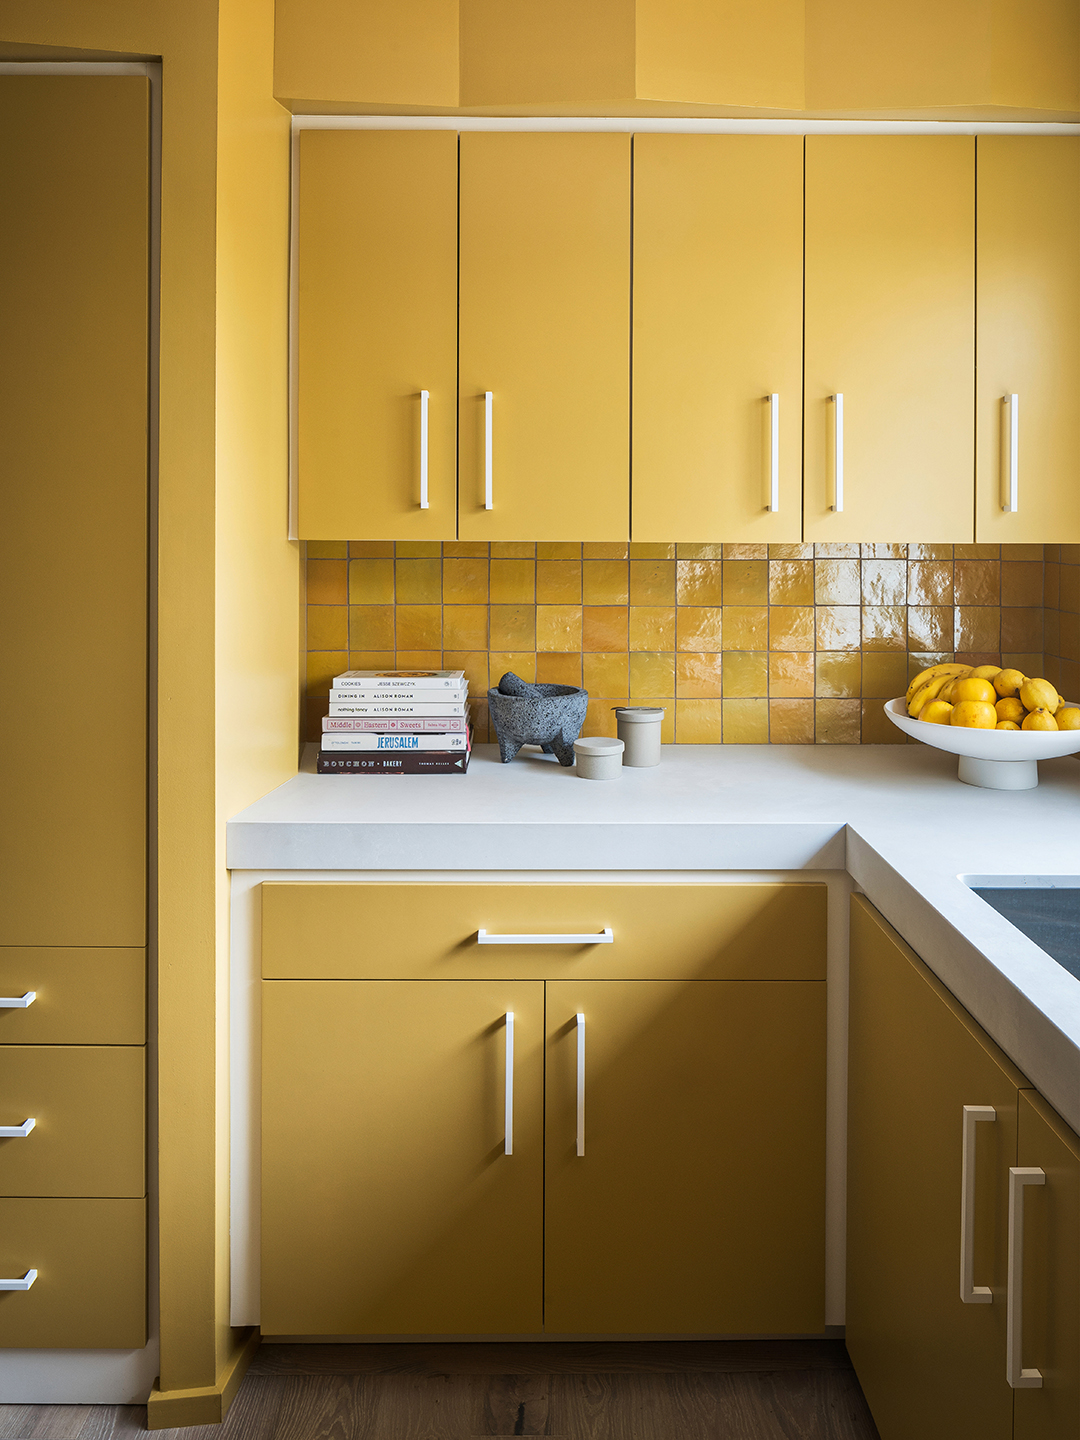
85, 996
429, 932
88, 1107
90, 1291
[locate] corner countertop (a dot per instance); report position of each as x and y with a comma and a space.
895, 817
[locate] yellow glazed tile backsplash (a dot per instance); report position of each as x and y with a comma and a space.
790, 644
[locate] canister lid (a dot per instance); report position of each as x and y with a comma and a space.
639, 712
598, 745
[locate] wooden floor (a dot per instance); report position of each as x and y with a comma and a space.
730, 1390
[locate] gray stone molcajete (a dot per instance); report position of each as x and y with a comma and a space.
547, 715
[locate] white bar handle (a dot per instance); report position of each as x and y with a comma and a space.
18, 1002
604, 937
970, 1293
1010, 455
838, 454
1017, 1376
580, 1083
17, 1132
489, 407
774, 453
508, 1143
424, 397
23, 1284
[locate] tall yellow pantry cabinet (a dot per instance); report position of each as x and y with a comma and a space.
542, 1109
74, 180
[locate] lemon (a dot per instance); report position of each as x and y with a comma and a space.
985, 672
1006, 725
1010, 709
1039, 695
975, 714
1008, 682
971, 689
1039, 719
936, 712
1068, 717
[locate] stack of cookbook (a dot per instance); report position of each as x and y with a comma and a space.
397, 722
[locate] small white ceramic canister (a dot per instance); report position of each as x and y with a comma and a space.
598, 758
639, 730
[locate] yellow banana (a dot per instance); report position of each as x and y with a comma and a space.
928, 691
949, 669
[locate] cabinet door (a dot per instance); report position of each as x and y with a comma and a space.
74, 193
698, 1204
890, 327
377, 326
1051, 1275
388, 1204
545, 328
717, 330
929, 1364
1029, 337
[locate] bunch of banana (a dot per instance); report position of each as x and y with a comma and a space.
929, 683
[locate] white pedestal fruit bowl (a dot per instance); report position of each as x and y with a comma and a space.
994, 759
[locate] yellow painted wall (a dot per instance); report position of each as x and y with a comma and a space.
402, 52
221, 518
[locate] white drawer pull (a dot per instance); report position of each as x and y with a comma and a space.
604, 937
1010, 456
838, 454
1017, 1376
424, 397
508, 1143
23, 1284
580, 1083
18, 1002
489, 483
970, 1293
773, 502
17, 1132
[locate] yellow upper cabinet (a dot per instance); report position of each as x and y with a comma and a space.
890, 328
717, 333
377, 335
1028, 483
544, 333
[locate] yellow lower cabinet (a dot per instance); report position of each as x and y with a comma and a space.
390, 1203
89, 1292
1047, 1264
923, 1078
87, 1104
685, 1157
82, 995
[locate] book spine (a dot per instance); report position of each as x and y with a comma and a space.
393, 724
433, 762
389, 697
364, 740
450, 682
339, 706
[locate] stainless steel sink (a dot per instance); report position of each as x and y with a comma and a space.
1045, 908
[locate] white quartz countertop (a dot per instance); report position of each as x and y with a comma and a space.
895, 817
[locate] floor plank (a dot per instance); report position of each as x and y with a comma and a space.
595, 1390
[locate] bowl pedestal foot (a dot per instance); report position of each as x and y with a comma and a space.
999, 774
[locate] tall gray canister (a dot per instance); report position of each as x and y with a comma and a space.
639, 730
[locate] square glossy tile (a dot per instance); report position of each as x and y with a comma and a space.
746, 627
652, 582
977, 582
465, 549
698, 676
699, 627
371, 549
698, 722
978, 627
512, 550
652, 552
419, 627
930, 582
371, 582
465, 627
791, 722
791, 627
837, 722
327, 627
930, 627
418, 581
884, 674
745, 551
838, 627
327, 549
558, 627
558, 550
558, 582
837, 582
652, 627
465, 581
606, 674
791, 582
560, 669
605, 550
512, 582
513, 627
605, 627
884, 582
837, 674
745, 674
371, 627
605, 582
746, 582
884, 627
327, 582
699, 582
791, 675
322, 666
700, 552
651, 674
521, 663
745, 722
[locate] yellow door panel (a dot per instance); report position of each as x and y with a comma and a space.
388, 1204
1029, 337
82, 996
929, 1364
718, 223
890, 326
90, 1291
377, 306
74, 192
545, 327
1051, 1275
698, 1206
89, 1108
730, 932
